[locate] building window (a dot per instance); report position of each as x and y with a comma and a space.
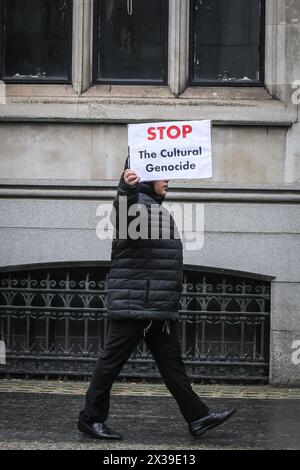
36, 41
53, 320
227, 42
131, 40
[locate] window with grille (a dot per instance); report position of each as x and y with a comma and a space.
54, 321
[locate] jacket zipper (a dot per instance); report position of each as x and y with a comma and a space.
147, 291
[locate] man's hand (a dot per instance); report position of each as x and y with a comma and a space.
130, 177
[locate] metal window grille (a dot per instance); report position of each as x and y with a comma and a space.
54, 323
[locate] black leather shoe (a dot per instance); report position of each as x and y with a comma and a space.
97, 430
209, 421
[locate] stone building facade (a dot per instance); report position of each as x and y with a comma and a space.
63, 147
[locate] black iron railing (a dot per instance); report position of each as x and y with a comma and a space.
54, 323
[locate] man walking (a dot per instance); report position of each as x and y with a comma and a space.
144, 286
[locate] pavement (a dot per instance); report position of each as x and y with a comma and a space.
39, 415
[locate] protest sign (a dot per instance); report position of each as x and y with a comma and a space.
170, 150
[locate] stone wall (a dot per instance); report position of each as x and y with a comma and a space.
98, 151
63, 147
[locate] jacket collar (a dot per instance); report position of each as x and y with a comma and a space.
147, 188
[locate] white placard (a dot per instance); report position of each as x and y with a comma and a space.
170, 150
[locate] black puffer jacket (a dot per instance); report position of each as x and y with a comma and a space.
145, 279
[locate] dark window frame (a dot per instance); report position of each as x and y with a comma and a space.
116, 81
219, 83
30, 80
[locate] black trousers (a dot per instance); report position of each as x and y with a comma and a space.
123, 337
